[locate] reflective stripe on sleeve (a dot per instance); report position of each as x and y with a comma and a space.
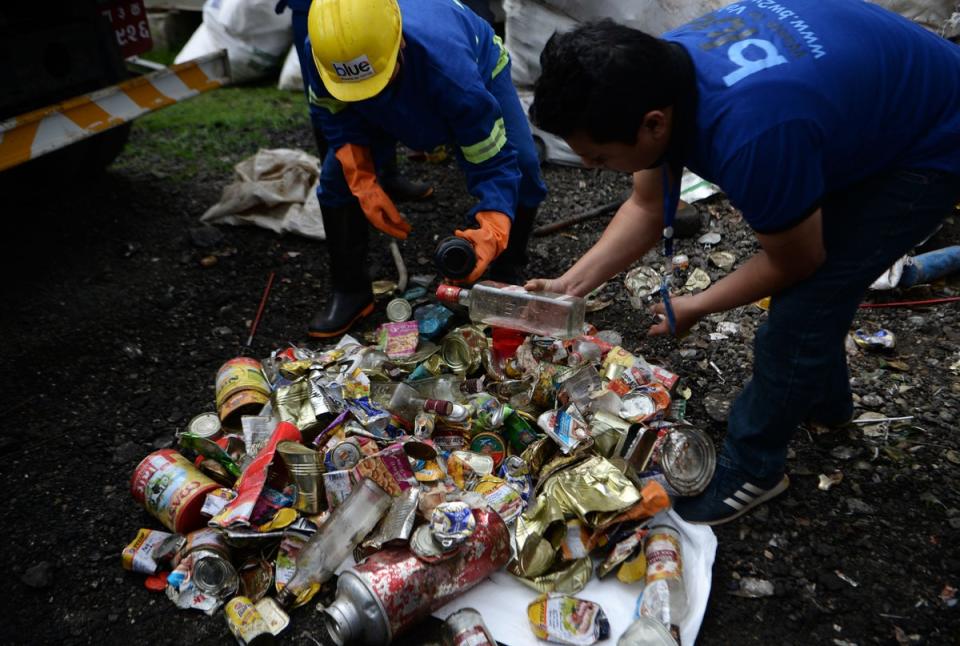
484, 150
502, 60
329, 104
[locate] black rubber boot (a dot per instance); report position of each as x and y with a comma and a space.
508, 267
398, 187
351, 296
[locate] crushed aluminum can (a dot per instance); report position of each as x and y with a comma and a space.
501, 497
640, 283
880, 340
465, 627
465, 467
452, 523
517, 430
564, 619
427, 548
722, 259
488, 412
138, 556
698, 280
246, 623
344, 455
566, 431
399, 310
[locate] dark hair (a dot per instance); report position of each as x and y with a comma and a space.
600, 79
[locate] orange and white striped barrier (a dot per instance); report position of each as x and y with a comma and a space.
42, 131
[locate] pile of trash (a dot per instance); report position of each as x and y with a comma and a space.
423, 461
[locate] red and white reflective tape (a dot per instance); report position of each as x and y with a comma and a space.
42, 131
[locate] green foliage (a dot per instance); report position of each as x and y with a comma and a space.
213, 131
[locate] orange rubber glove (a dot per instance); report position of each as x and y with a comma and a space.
357, 163
488, 241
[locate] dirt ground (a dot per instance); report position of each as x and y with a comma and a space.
112, 332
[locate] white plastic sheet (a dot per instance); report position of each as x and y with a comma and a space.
275, 189
503, 600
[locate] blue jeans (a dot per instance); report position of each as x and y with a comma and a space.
799, 363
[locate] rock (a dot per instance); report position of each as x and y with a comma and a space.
872, 401
39, 576
753, 588
128, 452
843, 452
222, 331
205, 237
717, 405
857, 506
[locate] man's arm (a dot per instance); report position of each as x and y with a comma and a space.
785, 259
633, 230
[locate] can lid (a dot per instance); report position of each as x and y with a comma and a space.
455, 257
399, 310
205, 425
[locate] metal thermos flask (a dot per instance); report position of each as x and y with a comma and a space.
455, 258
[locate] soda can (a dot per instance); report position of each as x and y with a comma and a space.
465, 627
246, 623
241, 389
171, 489
399, 310
452, 523
205, 425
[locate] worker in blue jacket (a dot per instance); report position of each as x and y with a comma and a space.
425, 73
396, 185
834, 127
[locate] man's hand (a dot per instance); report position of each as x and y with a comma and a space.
358, 170
686, 310
489, 240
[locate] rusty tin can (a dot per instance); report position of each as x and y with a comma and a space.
171, 489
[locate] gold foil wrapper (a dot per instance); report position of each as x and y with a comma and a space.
572, 578
295, 369
587, 490
292, 404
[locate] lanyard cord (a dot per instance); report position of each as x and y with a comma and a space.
671, 201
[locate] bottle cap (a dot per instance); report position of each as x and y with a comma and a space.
448, 293
455, 257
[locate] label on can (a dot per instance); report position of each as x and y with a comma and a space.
337, 485
563, 619
242, 373
244, 621
452, 523
500, 496
489, 444
663, 556
138, 555
171, 489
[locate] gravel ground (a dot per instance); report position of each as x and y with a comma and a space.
113, 331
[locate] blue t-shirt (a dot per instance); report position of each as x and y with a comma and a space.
798, 98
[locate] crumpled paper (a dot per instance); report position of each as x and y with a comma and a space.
275, 189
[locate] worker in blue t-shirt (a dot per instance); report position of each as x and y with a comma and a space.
426, 73
833, 126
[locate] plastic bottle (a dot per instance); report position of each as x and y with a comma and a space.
335, 540
664, 596
511, 306
452, 388
404, 401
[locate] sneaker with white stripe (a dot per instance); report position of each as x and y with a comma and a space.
729, 495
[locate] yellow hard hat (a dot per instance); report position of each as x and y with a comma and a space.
355, 45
